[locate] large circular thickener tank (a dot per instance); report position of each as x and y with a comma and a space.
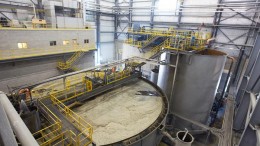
131, 114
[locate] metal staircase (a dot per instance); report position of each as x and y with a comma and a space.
68, 65
156, 51
150, 41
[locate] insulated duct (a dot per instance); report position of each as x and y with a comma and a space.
19, 127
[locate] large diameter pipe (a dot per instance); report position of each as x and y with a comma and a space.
183, 138
19, 127
6, 132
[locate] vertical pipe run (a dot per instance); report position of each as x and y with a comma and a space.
6, 132
20, 129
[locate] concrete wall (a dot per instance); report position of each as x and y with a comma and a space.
40, 39
15, 74
69, 22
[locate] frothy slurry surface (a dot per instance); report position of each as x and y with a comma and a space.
120, 113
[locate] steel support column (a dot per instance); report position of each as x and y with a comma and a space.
116, 20
250, 136
180, 13
152, 14
98, 28
249, 81
251, 31
130, 13
216, 20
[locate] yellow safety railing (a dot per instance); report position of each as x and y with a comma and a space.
158, 47
134, 43
69, 63
73, 91
169, 33
117, 76
6, 54
58, 85
88, 85
151, 37
86, 130
46, 134
178, 39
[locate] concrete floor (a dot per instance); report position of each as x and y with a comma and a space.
120, 114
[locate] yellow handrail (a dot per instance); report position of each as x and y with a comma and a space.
84, 127
118, 76
179, 39
48, 132
69, 63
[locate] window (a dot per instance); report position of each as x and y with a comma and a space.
74, 41
66, 42
52, 43
86, 41
22, 45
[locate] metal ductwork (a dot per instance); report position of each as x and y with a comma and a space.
20, 129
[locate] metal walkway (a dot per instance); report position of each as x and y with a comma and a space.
80, 133
66, 125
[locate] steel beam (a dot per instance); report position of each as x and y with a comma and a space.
130, 13
245, 16
98, 30
228, 38
248, 84
242, 52
152, 14
5, 16
216, 20
180, 13
116, 21
250, 135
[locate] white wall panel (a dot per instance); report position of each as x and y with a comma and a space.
106, 37
69, 22
197, 20
232, 34
141, 4
106, 18
107, 28
106, 23
70, 4
140, 18
107, 52
166, 18
200, 2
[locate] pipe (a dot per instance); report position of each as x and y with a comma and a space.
20, 129
165, 133
183, 138
6, 132
227, 82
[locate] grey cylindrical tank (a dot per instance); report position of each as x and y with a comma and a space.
154, 75
196, 83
